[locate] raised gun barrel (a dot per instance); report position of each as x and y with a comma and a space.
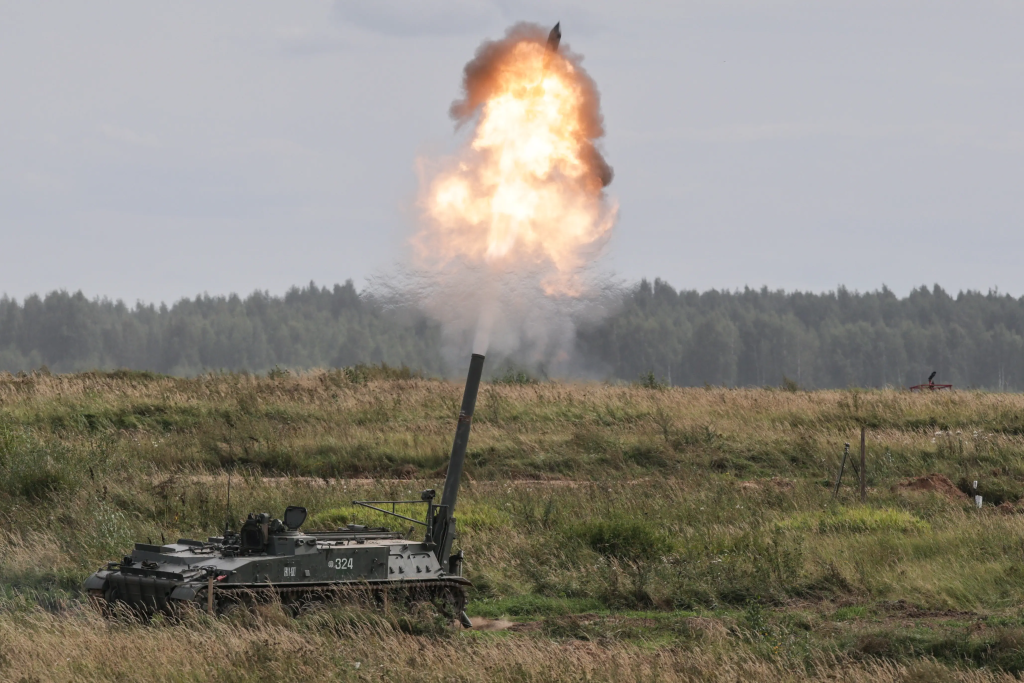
444, 520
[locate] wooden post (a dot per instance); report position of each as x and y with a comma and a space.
842, 468
863, 469
209, 596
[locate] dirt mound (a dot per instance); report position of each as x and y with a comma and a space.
1008, 508
936, 483
782, 484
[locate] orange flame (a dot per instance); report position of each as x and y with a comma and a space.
528, 191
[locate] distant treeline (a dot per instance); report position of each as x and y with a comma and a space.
307, 327
740, 338
833, 340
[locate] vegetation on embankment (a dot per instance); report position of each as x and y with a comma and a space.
373, 422
626, 532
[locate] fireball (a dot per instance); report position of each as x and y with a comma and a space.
527, 191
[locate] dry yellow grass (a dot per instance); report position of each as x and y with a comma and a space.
78, 646
736, 480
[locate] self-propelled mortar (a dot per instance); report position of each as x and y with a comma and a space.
273, 558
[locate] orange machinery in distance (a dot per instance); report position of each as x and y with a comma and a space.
931, 385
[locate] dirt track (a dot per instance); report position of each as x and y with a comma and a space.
319, 482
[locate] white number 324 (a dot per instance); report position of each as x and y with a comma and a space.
340, 563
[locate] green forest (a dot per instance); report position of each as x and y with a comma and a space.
749, 337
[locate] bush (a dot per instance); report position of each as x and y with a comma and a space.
789, 385
634, 548
628, 540
35, 470
277, 372
646, 455
754, 565
515, 376
649, 381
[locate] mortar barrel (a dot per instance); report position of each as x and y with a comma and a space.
458, 457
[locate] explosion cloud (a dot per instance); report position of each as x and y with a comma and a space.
512, 225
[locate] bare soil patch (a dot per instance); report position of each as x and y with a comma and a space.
485, 624
1008, 508
935, 483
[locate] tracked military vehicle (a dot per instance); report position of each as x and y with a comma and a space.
274, 558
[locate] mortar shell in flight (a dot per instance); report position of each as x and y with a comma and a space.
555, 37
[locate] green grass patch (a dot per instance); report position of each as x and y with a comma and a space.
532, 606
857, 520
850, 613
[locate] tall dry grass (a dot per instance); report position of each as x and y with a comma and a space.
326, 424
643, 506
80, 646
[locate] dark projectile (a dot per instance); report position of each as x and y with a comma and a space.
555, 37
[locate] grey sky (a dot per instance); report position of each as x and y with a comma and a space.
155, 150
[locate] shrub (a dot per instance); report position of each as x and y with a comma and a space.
32, 469
277, 372
628, 540
649, 381
754, 565
646, 455
515, 376
789, 385
590, 440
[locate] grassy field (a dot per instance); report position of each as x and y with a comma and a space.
611, 532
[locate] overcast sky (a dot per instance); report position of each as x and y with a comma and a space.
156, 150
